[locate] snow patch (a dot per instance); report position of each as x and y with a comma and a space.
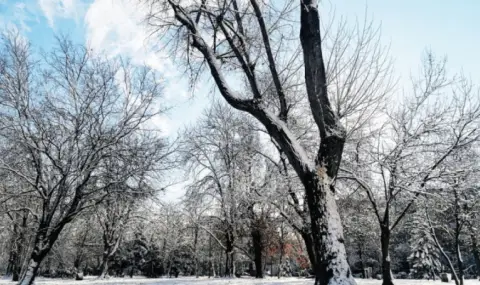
217, 281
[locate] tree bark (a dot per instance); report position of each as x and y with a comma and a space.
104, 267
386, 261
43, 243
459, 259
195, 253
111, 241
29, 276
229, 256
16, 253
39, 252
331, 265
257, 251
14, 260
307, 238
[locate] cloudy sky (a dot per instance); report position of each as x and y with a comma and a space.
115, 26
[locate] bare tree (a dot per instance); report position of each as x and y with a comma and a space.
453, 206
66, 114
113, 214
218, 155
397, 165
254, 42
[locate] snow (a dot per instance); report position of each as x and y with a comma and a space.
218, 281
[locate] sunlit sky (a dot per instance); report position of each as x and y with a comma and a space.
409, 26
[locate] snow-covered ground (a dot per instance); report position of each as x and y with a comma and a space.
217, 281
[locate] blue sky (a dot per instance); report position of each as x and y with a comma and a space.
409, 26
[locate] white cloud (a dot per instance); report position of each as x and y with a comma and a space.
161, 122
116, 28
17, 15
53, 9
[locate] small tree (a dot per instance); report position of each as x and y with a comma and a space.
424, 257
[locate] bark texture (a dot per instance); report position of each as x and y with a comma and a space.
44, 240
308, 240
229, 255
386, 261
257, 252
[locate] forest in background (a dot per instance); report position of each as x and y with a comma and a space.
82, 165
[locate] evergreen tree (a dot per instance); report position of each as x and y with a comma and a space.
424, 257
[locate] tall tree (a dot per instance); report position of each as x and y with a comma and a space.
218, 153
64, 115
254, 38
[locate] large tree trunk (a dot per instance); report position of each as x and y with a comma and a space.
39, 252
331, 267
42, 245
257, 251
29, 276
386, 261
229, 256
16, 253
111, 241
12, 259
104, 267
17, 268
211, 262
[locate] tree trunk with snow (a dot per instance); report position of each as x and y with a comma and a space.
386, 261
331, 265
104, 267
41, 248
460, 265
111, 241
44, 240
458, 254
29, 276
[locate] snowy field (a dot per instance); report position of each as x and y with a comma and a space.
218, 281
